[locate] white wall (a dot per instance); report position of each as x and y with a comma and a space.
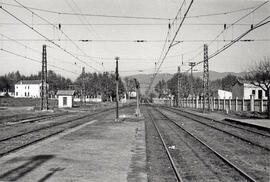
248, 91
69, 101
31, 90
224, 93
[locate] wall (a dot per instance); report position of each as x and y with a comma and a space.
248, 91
224, 94
227, 104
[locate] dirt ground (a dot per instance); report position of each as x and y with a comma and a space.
100, 150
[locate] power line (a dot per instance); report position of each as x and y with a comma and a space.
131, 17
137, 41
127, 24
35, 60
57, 45
227, 27
259, 24
27, 47
59, 27
90, 25
170, 46
91, 15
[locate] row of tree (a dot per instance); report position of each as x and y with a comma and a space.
192, 85
55, 81
87, 84
258, 75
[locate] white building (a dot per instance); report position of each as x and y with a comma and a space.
224, 94
28, 88
65, 98
244, 90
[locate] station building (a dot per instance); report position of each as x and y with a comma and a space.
28, 88
244, 90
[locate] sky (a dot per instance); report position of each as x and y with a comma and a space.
114, 36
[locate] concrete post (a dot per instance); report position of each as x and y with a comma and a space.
197, 102
261, 105
218, 102
214, 104
224, 104
230, 104
236, 104
251, 103
243, 104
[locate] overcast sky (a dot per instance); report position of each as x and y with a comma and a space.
135, 57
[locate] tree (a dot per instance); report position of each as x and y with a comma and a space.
228, 82
4, 84
160, 88
259, 75
129, 85
185, 89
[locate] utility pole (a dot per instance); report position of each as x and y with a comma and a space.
83, 86
178, 86
138, 113
205, 77
117, 83
191, 64
44, 88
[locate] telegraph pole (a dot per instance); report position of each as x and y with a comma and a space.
44, 88
83, 86
117, 83
191, 64
138, 113
205, 77
178, 86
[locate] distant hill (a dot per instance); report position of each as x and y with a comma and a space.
145, 79
213, 75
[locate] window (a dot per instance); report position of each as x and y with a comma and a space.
64, 101
28, 87
28, 94
253, 92
16, 93
25, 87
260, 94
25, 94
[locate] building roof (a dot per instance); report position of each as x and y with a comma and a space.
246, 84
66, 92
28, 82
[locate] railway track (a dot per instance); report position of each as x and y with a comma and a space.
257, 138
36, 118
246, 127
193, 159
16, 142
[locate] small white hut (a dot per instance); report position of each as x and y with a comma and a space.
65, 98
